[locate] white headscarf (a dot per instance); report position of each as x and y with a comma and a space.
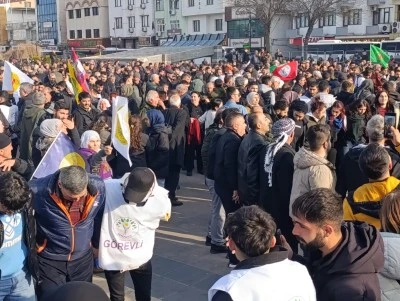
50, 127
101, 101
87, 137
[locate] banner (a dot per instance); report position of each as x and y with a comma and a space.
121, 134
61, 153
286, 72
13, 77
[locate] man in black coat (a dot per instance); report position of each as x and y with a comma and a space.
177, 119
248, 167
226, 162
276, 176
344, 257
350, 176
85, 115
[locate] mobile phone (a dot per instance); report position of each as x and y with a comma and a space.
389, 121
278, 237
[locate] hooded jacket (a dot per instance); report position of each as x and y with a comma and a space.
390, 275
311, 172
29, 122
350, 176
364, 204
350, 271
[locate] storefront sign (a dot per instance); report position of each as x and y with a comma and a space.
175, 31
144, 41
88, 43
239, 43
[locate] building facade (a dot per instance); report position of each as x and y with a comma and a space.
21, 23
87, 24
169, 19
52, 24
356, 20
131, 23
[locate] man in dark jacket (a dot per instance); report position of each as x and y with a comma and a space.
8, 163
30, 120
69, 207
85, 115
226, 162
17, 239
177, 119
248, 167
350, 176
276, 176
344, 257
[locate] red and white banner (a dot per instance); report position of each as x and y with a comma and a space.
286, 71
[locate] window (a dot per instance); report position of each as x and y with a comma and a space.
191, 3
95, 11
384, 15
328, 20
174, 24
160, 25
218, 25
302, 20
210, 2
71, 14
145, 21
159, 5
78, 13
118, 23
131, 22
87, 11
27, 4
79, 34
117, 3
88, 33
175, 4
96, 33
72, 34
196, 25
353, 17
131, 2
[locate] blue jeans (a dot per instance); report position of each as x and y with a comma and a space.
18, 288
217, 217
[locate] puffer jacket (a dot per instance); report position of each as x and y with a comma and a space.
389, 277
57, 239
310, 172
364, 204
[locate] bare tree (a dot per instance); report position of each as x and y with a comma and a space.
266, 11
314, 10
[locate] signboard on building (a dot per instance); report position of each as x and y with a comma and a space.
175, 31
144, 41
240, 43
47, 24
88, 43
47, 42
298, 41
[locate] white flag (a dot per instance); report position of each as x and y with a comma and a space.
13, 77
121, 134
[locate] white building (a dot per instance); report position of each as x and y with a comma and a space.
21, 22
87, 24
131, 23
354, 20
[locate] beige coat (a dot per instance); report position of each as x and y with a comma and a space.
310, 172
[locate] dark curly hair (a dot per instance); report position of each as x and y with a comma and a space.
14, 191
135, 124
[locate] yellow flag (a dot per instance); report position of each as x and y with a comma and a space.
74, 82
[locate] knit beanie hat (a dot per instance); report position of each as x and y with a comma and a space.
4, 141
281, 130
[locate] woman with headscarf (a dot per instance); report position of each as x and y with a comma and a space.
252, 100
96, 157
103, 105
49, 129
158, 154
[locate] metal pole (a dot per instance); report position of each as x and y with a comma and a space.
249, 32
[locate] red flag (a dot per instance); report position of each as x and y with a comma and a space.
286, 71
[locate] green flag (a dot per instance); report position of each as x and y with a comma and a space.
377, 55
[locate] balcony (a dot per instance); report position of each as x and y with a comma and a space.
377, 2
342, 31
372, 29
292, 33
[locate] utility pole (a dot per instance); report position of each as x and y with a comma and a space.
250, 32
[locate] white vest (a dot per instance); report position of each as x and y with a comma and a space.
281, 281
127, 230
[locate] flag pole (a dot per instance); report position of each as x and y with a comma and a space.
55, 139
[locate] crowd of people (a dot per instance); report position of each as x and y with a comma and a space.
303, 176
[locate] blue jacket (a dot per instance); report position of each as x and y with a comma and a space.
56, 237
